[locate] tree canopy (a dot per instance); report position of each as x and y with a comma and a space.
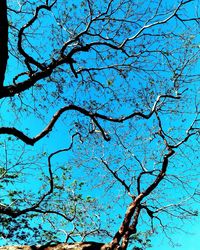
99, 121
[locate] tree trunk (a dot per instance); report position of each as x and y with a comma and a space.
3, 40
62, 246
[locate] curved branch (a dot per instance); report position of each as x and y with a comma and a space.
31, 141
139, 179
28, 58
36, 207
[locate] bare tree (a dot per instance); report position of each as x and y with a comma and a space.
107, 94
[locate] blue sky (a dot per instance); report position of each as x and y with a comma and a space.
76, 91
188, 240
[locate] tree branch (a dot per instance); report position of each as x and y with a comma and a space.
114, 173
136, 202
36, 207
28, 58
31, 141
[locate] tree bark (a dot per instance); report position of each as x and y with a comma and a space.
62, 246
3, 40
